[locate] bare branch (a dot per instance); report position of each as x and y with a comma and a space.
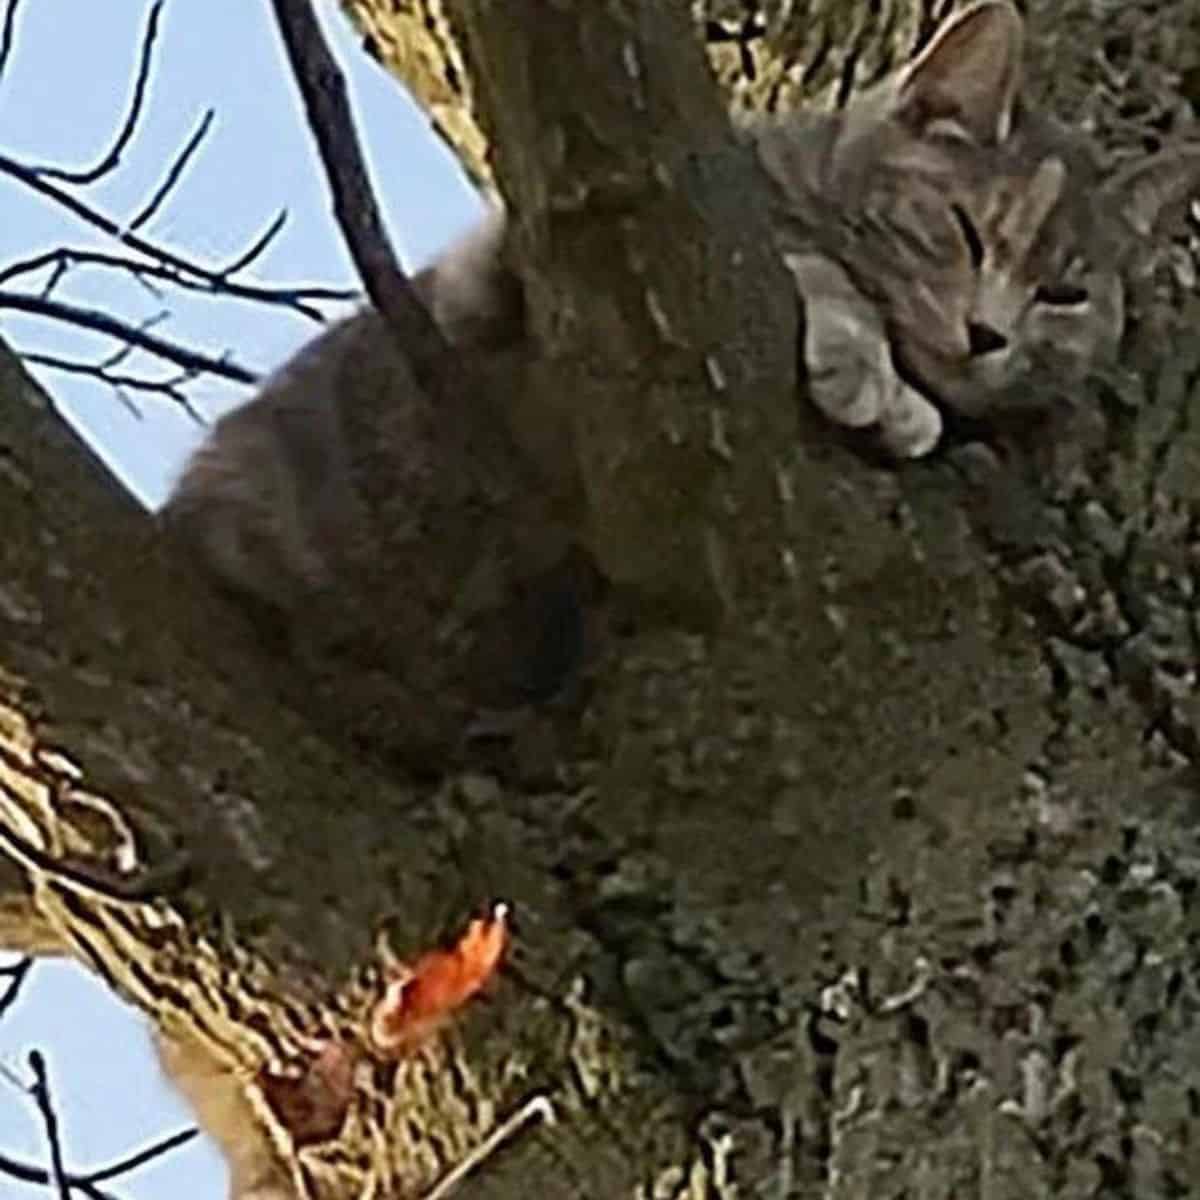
133, 1161
16, 973
56, 276
8, 33
113, 157
25, 1173
174, 172
299, 299
87, 1184
171, 387
323, 89
163, 266
100, 322
64, 258
259, 245
41, 1096
123, 352
12, 1078
539, 1108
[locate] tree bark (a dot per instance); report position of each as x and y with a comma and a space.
875, 858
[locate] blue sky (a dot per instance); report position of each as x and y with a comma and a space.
61, 100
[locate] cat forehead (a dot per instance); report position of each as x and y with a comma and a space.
1043, 175
1048, 182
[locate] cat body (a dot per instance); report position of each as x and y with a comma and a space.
944, 242
413, 558
268, 499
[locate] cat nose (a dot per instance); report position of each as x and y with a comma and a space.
983, 339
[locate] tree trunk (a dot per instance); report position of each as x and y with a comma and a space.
872, 873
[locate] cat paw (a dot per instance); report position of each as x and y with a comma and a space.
909, 426
847, 387
846, 352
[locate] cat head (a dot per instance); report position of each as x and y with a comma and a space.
988, 236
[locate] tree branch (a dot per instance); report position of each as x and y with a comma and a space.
64, 258
100, 322
138, 1158
217, 280
171, 387
15, 1169
259, 246
41, 1096
323, 90
16, 973
174, 172
8, 33
703, 315
124, 135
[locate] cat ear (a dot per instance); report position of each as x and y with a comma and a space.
1152, 191
968, 75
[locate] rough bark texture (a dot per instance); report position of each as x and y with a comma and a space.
876, 858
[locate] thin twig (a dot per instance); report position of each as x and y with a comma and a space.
217, 280
8, 33
113, 157
118, 356
9, 1076
174, 172
16, 973
539, 1107
64, 258
133, 1161
101, 322
15, 1169
259, 245
323, 89
41, 1096
55, 278
172, 387
104, 374
60, 260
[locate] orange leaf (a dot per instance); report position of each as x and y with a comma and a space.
439, 982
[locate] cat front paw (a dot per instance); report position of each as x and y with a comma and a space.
909, 426
849, 382
851, 376
845, 349
854, 383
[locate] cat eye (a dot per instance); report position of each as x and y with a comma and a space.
1062, 295
970, 234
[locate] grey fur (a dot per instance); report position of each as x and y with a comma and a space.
934, 205
942, 238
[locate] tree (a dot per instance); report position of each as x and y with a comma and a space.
869, 871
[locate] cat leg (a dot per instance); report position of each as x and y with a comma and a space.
849, 361
845, 347
909, 425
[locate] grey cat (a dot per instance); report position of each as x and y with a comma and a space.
268, 500
943, 240
413, 560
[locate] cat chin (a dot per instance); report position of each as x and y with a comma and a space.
909, 425
993, 373
969, 386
